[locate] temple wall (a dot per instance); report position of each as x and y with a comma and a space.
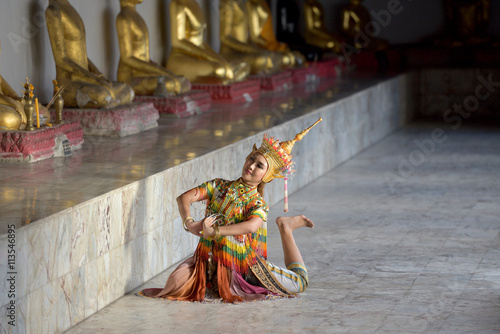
26, 47
415, 21
454, 95
73, 263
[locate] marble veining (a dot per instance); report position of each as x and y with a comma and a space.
104, 277
91, 288
42, 259
103, 226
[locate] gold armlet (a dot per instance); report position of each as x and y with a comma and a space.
184, 223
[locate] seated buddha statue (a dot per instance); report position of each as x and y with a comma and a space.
12, 116
355, 17
84, 85
135, 67
288, 30
191, 56
235, 42
262, 33
315, 30
467, 21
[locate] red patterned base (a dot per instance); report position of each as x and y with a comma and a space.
39, 144
303, 75
275, 82
184, 105
244, 91
117, 122
328, 68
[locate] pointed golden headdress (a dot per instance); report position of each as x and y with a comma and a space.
279, 155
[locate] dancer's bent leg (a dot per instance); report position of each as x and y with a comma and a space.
286, 226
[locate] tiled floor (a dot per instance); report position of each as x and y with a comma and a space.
406, 241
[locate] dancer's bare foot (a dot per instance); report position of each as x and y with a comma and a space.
293, 223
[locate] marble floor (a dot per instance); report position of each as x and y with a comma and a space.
29, 192
406, 241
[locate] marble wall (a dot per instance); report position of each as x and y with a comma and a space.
453, 95
74, 263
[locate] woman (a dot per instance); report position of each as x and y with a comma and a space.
229, 262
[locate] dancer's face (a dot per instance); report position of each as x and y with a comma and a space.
254, 169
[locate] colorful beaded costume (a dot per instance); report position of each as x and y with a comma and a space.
234, 268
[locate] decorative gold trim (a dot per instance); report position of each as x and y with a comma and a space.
278, 155
265, 276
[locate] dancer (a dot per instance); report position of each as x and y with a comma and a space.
230, 260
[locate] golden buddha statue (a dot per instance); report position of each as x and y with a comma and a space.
315, 30
191, 56
262, 33
85, 86
467, 21
355, 17
135, 67
12, 115
235, 42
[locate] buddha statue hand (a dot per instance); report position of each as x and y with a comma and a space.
101, 80
89, 77
181, 84
225, 71
169, 85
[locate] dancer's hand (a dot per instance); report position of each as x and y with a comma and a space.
195, 228
208, 223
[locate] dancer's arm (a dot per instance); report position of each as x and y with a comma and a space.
246, 227
184, 202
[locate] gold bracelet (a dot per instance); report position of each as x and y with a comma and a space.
184, 223
217, 232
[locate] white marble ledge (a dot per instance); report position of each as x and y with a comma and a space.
31, 193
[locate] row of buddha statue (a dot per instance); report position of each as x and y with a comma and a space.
248, 46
